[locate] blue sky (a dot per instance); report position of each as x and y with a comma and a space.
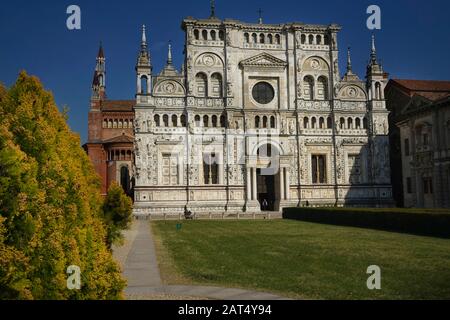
413, 43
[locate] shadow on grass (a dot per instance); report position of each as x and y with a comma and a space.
423, 222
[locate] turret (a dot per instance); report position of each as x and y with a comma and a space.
144, 67
376, 78
99, 80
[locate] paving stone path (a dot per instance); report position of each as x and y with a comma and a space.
137, 257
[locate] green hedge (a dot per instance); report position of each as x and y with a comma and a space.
414, 221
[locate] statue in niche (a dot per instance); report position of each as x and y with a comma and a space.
137, 125
299, 89
283, 125
229, 89
228, 39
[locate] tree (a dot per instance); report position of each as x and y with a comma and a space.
50, 203
117, 210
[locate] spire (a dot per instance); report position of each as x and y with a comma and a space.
144, 39
213, 9
101, 53
144, 55
99, 80
169, 54
260, 20
349, 61
373, 54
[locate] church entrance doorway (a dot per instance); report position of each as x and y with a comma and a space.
266, 191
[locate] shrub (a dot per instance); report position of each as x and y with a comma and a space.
50, 204
117, 209
415, 221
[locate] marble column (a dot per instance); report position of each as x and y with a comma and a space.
282, 194
288, 187
249, 184
255, 186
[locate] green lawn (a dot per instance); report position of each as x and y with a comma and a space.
303, 260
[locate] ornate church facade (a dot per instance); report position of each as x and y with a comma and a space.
258, 119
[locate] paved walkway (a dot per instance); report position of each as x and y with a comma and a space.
138, 260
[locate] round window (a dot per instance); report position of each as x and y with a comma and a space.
263, 93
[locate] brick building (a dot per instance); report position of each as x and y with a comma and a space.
110, 133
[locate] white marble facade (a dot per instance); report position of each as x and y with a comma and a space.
259, 112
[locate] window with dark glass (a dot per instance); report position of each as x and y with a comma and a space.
210, 169
427, 186
407, 151
408, 185
318, 169
263, 93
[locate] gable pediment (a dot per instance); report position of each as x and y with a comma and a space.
263, 60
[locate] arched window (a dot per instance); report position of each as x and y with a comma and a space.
322, 88
358, 123
205, 121
277, 39
309, 87
365, 123
342, 122
166, 120
327, 40
116, 124
125, 179
314, 123
318, 39
125, 124
120, 124
378, 94
303, 38
322, 123
205, 35
254, 38
213, 35
272, 122
267, 150
223, 121
110, 124
262, 38
144, 87
174, 121
329, 123
216, 84
265, 122
247, 37
350, 123
202, 84
270, 38
214, 121
105, 123
257, 122
196, 34
157, 119
306, 122
311, 39
221, 35
183, 121
197, 120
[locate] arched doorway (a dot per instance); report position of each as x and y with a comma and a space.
268, 177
